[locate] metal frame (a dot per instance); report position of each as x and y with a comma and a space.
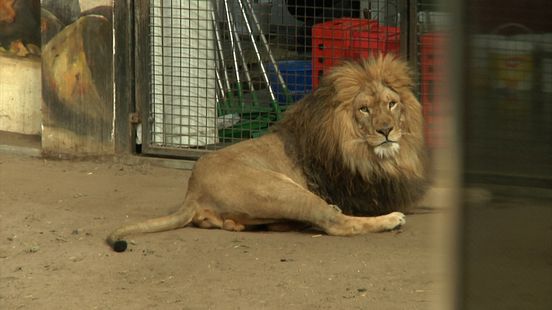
142, 60
409, 39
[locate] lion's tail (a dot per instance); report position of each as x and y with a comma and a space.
176, 220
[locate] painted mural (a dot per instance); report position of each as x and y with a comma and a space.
77, 77
20, 67
19, 24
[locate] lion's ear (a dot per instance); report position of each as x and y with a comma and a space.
343, 81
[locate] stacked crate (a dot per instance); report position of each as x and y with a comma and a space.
347, 38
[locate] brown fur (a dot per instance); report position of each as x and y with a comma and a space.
353, 147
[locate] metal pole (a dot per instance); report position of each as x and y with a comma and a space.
221, 91
234, 57
229, 95
267, 47
244, 62
257, 53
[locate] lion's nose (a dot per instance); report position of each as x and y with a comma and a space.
384, 130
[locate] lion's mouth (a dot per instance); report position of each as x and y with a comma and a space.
387, 149
386, 143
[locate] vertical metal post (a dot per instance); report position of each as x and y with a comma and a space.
259, 58
404, 26
244, 61
228, 97
412, 35
232, 46
267, 47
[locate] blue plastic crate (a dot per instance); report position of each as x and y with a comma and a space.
298, 77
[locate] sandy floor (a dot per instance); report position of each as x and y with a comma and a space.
54, 216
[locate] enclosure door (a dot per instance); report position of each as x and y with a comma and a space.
175, 63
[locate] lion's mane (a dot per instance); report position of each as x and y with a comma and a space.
352, 176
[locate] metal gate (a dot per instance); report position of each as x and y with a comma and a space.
215, 72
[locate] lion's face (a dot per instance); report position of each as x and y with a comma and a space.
377, 111
363, 117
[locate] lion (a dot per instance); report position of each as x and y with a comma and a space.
346, 159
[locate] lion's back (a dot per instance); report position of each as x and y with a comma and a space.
266, 153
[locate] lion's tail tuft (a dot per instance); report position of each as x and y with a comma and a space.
119, 246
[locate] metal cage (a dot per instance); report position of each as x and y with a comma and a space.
215, 72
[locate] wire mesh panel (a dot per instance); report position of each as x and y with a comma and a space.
433, 32
509, 105
247, 99
183, 103
226, 70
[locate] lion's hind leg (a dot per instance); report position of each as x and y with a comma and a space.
207, 218
232, 225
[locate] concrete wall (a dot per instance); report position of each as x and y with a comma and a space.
20, 95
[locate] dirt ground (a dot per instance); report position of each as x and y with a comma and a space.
55, 215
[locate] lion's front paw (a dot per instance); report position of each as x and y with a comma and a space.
393, 220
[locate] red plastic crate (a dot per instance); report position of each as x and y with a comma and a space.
375, 39
432, 60
432, 55
331, 42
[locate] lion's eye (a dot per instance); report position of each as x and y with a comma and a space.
364, 110
392, 103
